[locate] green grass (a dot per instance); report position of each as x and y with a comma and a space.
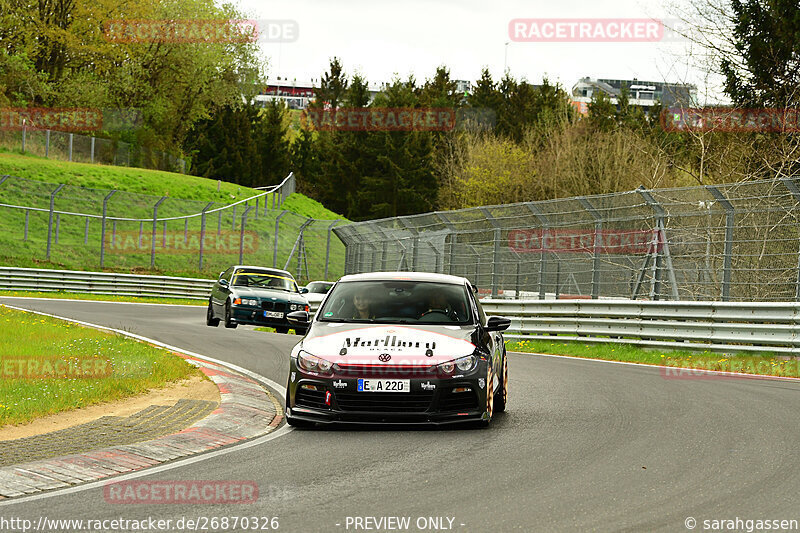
187, 195
103, 297
272, 330
36, 341
761, 363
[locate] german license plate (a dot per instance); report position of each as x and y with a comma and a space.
273, 314
384, 385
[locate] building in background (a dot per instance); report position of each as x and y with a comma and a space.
644, 94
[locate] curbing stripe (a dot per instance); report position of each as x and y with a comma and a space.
246, 410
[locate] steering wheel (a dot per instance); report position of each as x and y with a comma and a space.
445, 312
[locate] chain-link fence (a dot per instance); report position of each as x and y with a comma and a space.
86, 149
726, 242
84, 229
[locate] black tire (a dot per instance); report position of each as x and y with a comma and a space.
501, 396
228, 322
281, 330
487, 420
210, 319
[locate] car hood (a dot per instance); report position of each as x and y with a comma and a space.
256, 292
410, 345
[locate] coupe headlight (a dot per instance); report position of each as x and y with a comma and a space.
294, 307
245, 301
447, 367
312, 363
465, 364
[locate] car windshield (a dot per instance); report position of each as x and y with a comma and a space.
397, 302
264, 280
319, 288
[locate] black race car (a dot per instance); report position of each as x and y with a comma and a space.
401, 347
255, 295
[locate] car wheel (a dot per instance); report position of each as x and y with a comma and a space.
210, 320
228, 322
501, 396
281, 330
487, 415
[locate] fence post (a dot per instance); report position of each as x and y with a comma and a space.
598, 235
185, 230
328, 248
219, 222
50, 221
545, 222
113, 232
241, 234
141, 230
414, 242
792, 186
277, 227
449, 245
86, 231
496, 251
27, 215
730, 215
103, 228
92, 151
70, 146
24, 131
47, 144
155, 229
58, 226
255, 213
203, 232
661, 230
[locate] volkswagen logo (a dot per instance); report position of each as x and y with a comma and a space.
384, 357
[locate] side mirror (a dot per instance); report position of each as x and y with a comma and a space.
223, 283
304, 290
298, 318
497, 323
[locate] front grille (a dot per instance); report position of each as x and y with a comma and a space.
385, 402
390, 371
273, 306
458, 401
310, 398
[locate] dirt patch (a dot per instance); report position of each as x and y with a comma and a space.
194, 388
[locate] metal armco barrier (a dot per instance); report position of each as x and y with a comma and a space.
31, 279
715, 326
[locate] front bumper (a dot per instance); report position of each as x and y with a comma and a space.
336, 400
255, 317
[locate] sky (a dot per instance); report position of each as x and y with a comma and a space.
380, 39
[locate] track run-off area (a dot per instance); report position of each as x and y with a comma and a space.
584, 445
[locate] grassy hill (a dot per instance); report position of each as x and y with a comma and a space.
127, 248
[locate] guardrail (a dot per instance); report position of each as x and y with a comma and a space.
31, 279
713, 326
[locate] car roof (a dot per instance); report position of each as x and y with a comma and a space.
410, 276
263, 269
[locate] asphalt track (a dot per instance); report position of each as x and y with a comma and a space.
584, 446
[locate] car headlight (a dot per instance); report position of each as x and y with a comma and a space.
447, 367
245, 301
294, 307
465, 364
312, 363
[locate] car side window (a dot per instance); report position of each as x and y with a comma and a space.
481, 312
227, 275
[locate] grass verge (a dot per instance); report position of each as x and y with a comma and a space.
677, 363
104, 297
49, 366
272, 330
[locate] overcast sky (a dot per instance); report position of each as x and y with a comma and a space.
379, 38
